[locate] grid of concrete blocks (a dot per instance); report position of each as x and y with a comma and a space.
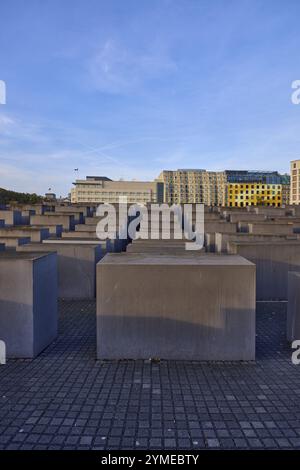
155, 300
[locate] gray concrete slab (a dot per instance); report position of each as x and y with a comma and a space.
222, 239
11, 217
293, 310
13, 242
36, 234
28, 302
175, 307
76, 267
273, 261
271, 228
67, 221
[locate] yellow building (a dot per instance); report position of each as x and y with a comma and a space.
253, 194
193, 186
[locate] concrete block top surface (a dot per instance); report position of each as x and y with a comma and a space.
284, 241
73, 241
18, 255
168, 259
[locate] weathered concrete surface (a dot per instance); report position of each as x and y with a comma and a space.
293, 311
36, 234
38, 209
76, 267
13, 242
78, 217
54, 230
28, 302
159, 246
11, 217
26, 214
272, 211
67, 221
107, 246
222, 239
245, 217
271, 228
85, 210
175, 307
114, 244
273, 261
86, 228
219, 226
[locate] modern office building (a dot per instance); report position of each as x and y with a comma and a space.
254, 194
193, 186
248, 176
295, 182
270, 188
100, 189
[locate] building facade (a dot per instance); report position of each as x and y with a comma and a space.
286, 191
99, 189
253, 194
193, 186
295, 182
254, 176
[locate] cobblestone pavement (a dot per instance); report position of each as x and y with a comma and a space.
65, 399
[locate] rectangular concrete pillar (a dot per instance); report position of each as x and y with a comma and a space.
273, 261
76, 267
175, 307
28, 302
293, 311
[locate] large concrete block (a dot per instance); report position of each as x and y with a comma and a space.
159, 246
273, 261
86, 228
85, 210
219, 226
13, 242
78, 216
28, 302
66, 220
271, 228
35, 234
76, 267
114, 244
245, 217
175, 307
11, 217
293, 311
222, 239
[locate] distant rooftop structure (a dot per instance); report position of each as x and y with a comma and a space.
98, 178
50, 196
268, 177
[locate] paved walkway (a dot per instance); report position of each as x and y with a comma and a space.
64, 399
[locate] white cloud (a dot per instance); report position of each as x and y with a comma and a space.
116, 69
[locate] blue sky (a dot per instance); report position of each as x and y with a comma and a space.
128, 88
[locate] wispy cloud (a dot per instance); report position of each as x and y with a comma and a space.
116, 69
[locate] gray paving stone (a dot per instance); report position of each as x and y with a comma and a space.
65, 399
